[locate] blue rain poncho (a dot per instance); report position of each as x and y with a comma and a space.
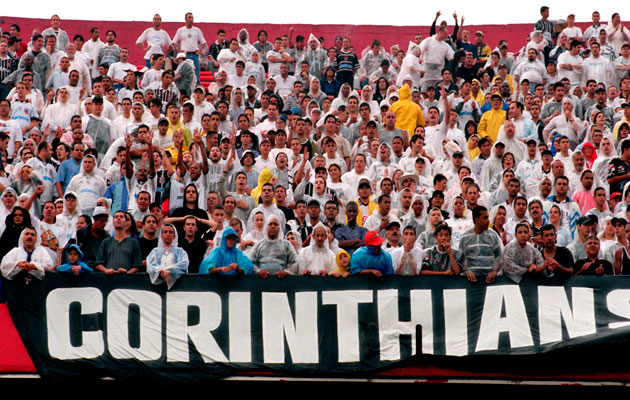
223, 256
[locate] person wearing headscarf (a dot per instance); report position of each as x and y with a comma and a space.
590, 154
227, 259
27, 256
167, 262
273, 255
14, 224
316, 258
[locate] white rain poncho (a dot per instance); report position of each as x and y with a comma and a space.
490, 168
88, 187
316, 259
68, 221
246, 47
171, 258
418, 222
39, 257
274, 255
411, 66
513, 145
517, 260
4, 211
256, 69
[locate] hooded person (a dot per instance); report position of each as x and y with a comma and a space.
315, 92
315, 56
9, 200
411, 66
74, 266
317, 258
273, 255
491, 167
26, 183
243, 41
254, 67
342, 260
408, 114
87, 185
28, 256
264, 177
508, 136
227, 259
167, 262
14, 224
417, 214
342, 100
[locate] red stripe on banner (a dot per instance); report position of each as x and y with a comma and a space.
13, 355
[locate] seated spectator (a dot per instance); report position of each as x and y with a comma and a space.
482, 248
74, 265
442, 259
119, 254
521, 257
317, 258
371, 259
167, 262
343, 264
274, 254
592, 264
27, 257
227, 259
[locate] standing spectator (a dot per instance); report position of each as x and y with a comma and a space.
119, 254
56, 31
346, 63
157, 40
482, 248
189, 39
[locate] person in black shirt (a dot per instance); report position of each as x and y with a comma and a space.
148, 240
194, 247
619, 171
558, 260
592, 264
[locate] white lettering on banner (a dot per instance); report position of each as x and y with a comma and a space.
58, 323
277, 323
240, 325
618, 303
515, 321
553, 308
150, 329
455, 322
347, 302
390, 328
178, 331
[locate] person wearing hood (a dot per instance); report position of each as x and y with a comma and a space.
411, 68
87, 185
227, 259
316, 258
315, 56
371, 259
255, 68
27, 256
243, 42
408, 114
274, 254
167, 262
74, 265
329, 84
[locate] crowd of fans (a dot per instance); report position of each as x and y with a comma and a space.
440, 157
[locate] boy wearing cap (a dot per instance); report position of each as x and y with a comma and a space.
371, 259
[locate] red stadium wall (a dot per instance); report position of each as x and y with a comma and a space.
362, 35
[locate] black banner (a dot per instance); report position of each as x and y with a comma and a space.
212, 326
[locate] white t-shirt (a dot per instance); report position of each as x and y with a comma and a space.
119, 70
155, 39
190, 40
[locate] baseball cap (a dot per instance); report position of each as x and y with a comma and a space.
373, 239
